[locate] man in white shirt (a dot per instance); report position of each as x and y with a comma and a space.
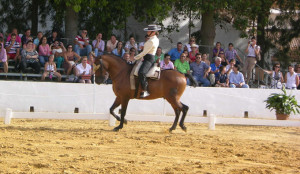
252, 50
148, 53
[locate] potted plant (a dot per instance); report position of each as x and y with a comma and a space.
283, 105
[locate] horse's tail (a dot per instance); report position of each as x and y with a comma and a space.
193, 81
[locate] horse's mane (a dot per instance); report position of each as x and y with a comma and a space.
120, 61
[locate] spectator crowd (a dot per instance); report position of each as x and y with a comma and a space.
221, 69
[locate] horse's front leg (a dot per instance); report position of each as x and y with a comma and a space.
116, 103
124, 104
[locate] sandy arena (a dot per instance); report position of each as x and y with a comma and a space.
89, 146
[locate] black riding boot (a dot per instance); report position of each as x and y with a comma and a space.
144, 85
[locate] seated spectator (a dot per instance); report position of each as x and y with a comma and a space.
13, 48
129, 59
82, 46
131, 44
192, 54
297, 70
58, 50
44, 51
111, 44
26, 37
214, 72
159, 55
291, 78
3, 56
183, 66
217, 50
119, 51
71, 59
204, 59
84, 71
50, 69
54, 37
223, 59
175, 53
200, 71
15, 31
141, 45
230, 66
132, 53
222, 80
276, 76
30, 58
231, 53
236, 78
36, 41
166, 63
98, 45
191, 42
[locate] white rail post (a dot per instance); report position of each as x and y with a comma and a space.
8, 116
212, 122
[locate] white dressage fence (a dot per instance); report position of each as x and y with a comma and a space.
58, 101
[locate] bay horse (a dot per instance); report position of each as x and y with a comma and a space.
170, 86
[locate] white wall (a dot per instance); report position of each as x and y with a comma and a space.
64, 97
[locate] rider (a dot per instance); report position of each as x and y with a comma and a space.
148, 53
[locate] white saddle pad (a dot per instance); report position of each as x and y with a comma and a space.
153, 73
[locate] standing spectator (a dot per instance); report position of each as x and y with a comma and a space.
192, 54
191, 42
44, 51
119, 51
26, 37
166, 63
141, 45
159, 55
183, 66
15, 31
30, 58
236, 78
58, 50
3, 56
36, 41
84, 71
276, 76
175, 53
82, 46
71, 59
222, 80
13, 48
112, 43
217, 50
50, 69
131, 44
98, 45
204, 59
252, 50
230, 66
291, 78
297, 70
231, 53
200, 71
215, 72
54, 37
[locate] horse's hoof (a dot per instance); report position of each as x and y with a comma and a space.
116, 129
184, 128
170, 130
125, 121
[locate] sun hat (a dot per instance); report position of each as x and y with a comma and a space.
152, 27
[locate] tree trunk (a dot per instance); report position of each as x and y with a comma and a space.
34, 17
71, 24
208, 32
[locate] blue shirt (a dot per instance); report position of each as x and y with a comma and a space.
115, 52
214, 68
198, 69
236, 78
175, 54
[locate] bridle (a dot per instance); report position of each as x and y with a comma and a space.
100, 66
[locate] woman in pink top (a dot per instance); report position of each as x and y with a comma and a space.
44, 51
3, 58
166, 64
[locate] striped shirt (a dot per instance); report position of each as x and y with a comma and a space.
81, 40
13, 49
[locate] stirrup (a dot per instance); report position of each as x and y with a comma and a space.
144, 94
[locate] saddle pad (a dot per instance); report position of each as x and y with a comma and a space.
153, 73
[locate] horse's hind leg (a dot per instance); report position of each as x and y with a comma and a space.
116, 103
185, 109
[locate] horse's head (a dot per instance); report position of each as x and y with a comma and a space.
101, 74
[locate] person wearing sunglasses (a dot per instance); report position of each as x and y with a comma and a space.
276, 76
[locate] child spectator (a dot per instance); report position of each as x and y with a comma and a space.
291, 78
14, 31
166, 63
98, 45
50, 69
44, 51
30, 58
58, 50
12, 48
84, 71
222, 80
71, 59
236, 78
119, 51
